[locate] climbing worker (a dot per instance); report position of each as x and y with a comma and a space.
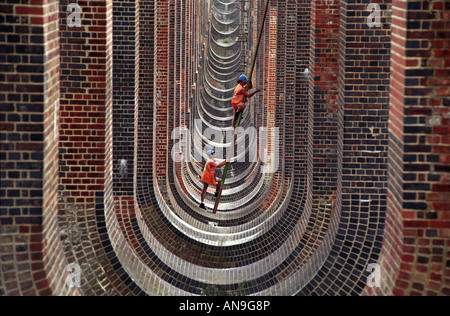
238, 98
209, 175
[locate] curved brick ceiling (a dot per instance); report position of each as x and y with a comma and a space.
358, 175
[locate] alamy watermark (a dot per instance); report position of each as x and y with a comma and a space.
74, 18
374, 18
73, 280
265, 142
374, 279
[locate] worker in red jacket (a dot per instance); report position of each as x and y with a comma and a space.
209, 175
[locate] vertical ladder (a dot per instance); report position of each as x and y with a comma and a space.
231, 152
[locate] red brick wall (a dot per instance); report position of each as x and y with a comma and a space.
418, 226
323, 92
162, 93
86, 104
32, 261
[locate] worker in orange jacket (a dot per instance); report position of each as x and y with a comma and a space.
238, 98
209, 175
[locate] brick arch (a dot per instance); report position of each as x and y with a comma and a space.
371, 113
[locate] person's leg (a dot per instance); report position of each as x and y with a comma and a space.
239, 108
205, 188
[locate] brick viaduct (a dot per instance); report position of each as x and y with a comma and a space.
92, 117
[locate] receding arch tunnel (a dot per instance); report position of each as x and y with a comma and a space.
340, 170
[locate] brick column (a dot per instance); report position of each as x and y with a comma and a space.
363, 106
323, 91
32, 261
125, 93
268, 74
302, 51
185, 88
86, 152
272, 97
86, 104
363, 112
143, 151
418, 223
162, 93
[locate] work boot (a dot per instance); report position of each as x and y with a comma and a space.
202, 206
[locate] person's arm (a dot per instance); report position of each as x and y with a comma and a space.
249, 95
220, 165
217, 165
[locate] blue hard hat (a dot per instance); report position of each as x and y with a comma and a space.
210, 153
243, 78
